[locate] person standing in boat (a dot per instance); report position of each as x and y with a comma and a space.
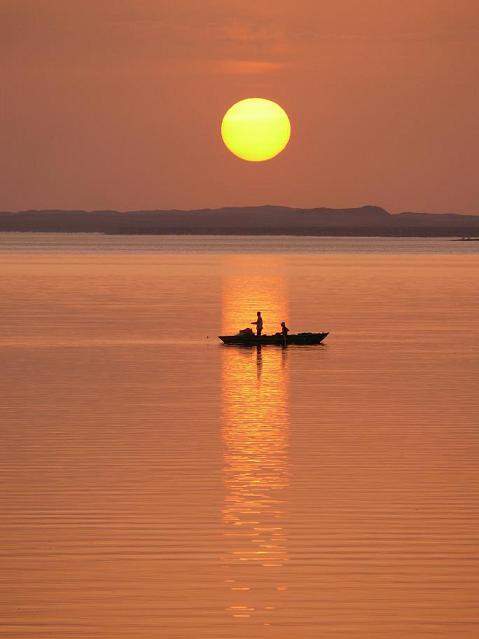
259, 324
284, 333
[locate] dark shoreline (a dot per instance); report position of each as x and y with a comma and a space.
366, 221
269, 233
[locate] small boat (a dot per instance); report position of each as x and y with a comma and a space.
250, 339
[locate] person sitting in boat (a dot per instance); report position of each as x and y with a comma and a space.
284, 330
259, 324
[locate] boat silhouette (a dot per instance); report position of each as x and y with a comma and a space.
244, 338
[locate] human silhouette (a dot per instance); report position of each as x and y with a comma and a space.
259, 324
284, 332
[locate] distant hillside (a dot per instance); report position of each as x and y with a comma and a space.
260, 220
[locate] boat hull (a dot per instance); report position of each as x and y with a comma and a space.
302, 339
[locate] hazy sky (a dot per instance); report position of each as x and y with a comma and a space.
118, 103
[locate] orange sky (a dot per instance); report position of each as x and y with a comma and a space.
118, 103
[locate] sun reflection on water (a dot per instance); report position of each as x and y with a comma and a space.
255, 436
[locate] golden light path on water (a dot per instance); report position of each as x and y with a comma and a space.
255, 436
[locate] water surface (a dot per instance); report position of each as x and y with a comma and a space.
158, 484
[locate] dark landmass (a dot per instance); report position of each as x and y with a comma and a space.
260, 220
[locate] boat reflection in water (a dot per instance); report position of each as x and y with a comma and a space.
255, 435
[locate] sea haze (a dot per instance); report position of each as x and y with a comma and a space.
159, 484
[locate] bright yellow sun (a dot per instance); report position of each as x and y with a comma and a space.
256, 129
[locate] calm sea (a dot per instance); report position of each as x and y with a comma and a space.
156, 484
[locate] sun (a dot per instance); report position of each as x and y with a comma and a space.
256, 129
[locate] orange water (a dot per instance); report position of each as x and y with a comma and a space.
158, 484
